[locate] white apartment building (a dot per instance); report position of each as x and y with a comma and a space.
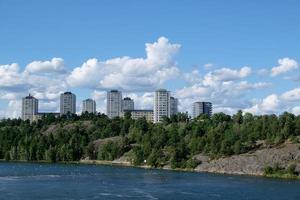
67, 103
29, 107
127, 104
114, 103
161, 105
89, 105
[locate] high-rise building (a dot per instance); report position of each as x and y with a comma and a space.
29, 107
161, 105
89, 105
114, 103
202, 108
128, 104
67, 103
173, 106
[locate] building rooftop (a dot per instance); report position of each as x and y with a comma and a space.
89, 99
138, 110
67, 92
30, 97
161, 90
127, 98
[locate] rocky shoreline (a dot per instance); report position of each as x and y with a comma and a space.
251, 163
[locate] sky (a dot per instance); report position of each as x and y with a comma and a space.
237, 54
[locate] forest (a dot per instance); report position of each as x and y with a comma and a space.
173, 142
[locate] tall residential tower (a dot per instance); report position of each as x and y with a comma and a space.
161, 105
127, 104
173, 106
89, 105
67, 103
114, 103
29, 107
201, 108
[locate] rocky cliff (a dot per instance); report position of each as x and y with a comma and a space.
253, 163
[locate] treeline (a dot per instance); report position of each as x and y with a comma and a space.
173, 142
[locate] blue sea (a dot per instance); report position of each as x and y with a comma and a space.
70, 181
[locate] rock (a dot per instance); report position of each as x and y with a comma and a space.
252, 163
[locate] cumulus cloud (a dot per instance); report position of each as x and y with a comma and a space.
268, 105
229, 89
10, 77
192, 77
284, 65
130, 74
225, 74
292, 95
12, 110
54, 65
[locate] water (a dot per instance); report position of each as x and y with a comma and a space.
62, 181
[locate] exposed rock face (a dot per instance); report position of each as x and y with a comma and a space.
252, 163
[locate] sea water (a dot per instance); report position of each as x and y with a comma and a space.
35, 181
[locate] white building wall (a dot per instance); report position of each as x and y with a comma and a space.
161, 105
114, 103
89, 105
29, 108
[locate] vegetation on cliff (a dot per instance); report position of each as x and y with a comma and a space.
173, 142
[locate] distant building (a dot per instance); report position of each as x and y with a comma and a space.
67, 103
89, 105
173, 106
40, 115
201, 108
127, 104
161, 105
29, 107
114, 103
136, 114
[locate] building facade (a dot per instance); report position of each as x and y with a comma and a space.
114, 103
67, 103
136, 114
173, 106
29, 107
202, 108
40, 115
89, 105
127, 104
161, 105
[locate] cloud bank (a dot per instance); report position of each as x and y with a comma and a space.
228, 88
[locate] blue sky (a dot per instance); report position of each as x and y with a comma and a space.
228, 34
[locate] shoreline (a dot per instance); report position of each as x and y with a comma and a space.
120, 164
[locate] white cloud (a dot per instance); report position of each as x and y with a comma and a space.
192, 77
292, 95
54, 65
48, 106
130, 74
270, 104
225, 74
13, 109
208, 66
284, 65
262, 72
10, 76
142, 100
296, 110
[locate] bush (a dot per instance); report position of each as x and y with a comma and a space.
291, 169
192, 163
